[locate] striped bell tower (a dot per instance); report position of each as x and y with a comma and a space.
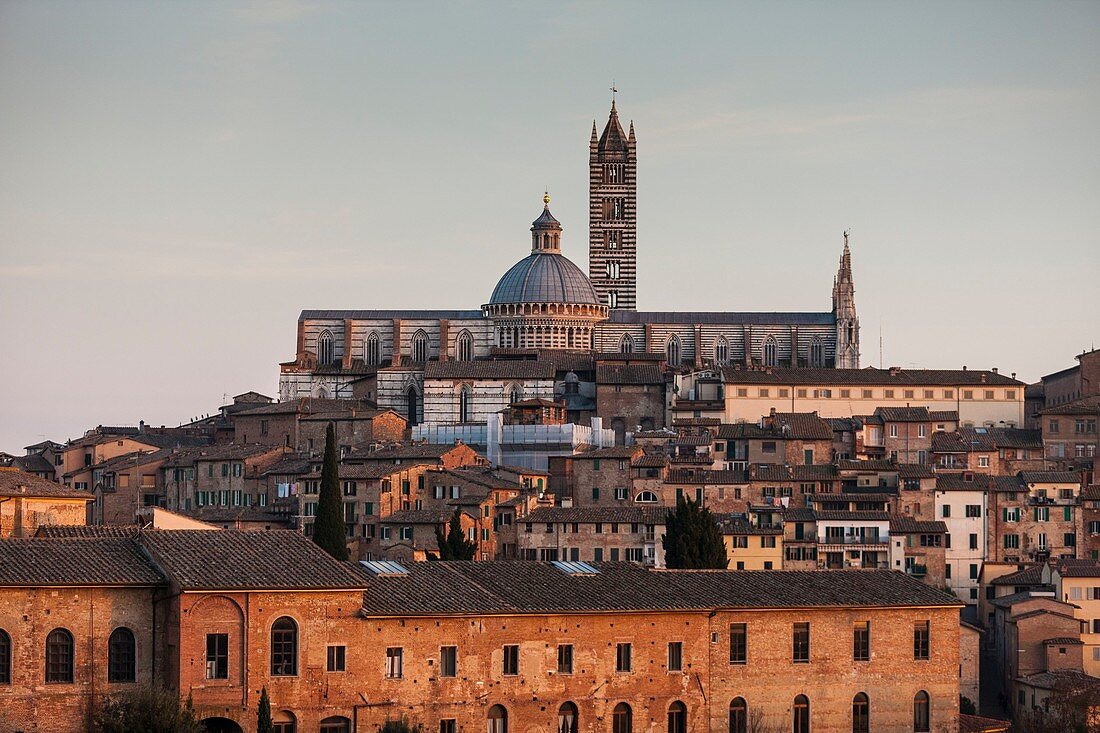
612, 214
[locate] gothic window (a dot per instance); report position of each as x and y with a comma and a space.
861, 713
614, 239
922, 719
121, 656
721, 351
464, 346
817, 353
851, 333
515, 394
284, 647
465, 397
498, 720
326, 353
771, 352
672, 351
612, 299
567, 718
5, 658
677, 717
739, 716
612, 269
373, 350
420, 347
59, 656
801, 715
622, 719
411, 406
613, 173
626, 344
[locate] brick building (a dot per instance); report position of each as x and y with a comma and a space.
28, 502
301, 424
519, 645
593, 534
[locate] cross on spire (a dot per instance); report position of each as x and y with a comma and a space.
614, 90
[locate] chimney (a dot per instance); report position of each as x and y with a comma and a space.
994, 370
964, 367
894, 371
1013, 375
983, 377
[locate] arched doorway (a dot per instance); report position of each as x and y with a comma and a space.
221, 725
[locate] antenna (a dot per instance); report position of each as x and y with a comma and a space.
880, 344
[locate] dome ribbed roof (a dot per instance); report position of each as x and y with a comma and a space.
544, 277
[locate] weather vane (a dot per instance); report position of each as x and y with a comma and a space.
614, 90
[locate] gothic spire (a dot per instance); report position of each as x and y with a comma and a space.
613, 138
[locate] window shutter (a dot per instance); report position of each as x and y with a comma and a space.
1067, 512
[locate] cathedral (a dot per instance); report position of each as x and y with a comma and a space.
546, 320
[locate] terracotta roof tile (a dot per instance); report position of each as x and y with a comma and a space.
85, 562
14, 482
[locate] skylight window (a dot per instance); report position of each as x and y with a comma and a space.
575, 568
384, 568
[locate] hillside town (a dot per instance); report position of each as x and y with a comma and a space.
901, 549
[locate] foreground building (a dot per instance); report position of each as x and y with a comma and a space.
512, 646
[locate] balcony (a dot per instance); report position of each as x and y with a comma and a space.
854, 539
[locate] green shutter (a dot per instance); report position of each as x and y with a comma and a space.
1067, 513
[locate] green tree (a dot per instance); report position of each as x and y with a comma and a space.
454, 546
692, 539
328, 526
263, 714
148, 709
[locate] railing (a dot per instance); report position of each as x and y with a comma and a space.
850, 539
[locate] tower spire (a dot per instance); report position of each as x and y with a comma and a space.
844, 311
612, 222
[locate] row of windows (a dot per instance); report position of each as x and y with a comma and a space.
61, 653
800, 642
574, 527
867, 394
372, 347
1080, 425
740, 721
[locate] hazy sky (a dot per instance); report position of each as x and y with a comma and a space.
178, 180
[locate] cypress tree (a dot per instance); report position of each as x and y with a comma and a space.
692, 539
328, 525
263, 715
454, 546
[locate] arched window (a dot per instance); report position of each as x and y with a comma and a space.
284, 722
922, 716
515, 394
284, 647
861, 713
645, 497
677, 718
612, 299
121, 656
5, 658
412, 400
801, 715
817, 353
373, 350
498, 720
464, 346
626, 344
465, 397
567, 718
672, 351
336, 724
771, 352
739, 716
326, 354
420, 347
59, 656
721, 351
622, 719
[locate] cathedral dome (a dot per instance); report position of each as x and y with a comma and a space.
544, 277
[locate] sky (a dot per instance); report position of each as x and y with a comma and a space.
178, 180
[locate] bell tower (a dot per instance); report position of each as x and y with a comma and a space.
844, 311
612, 214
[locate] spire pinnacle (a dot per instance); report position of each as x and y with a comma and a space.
546, 199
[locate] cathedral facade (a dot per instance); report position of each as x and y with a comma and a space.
545, 304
